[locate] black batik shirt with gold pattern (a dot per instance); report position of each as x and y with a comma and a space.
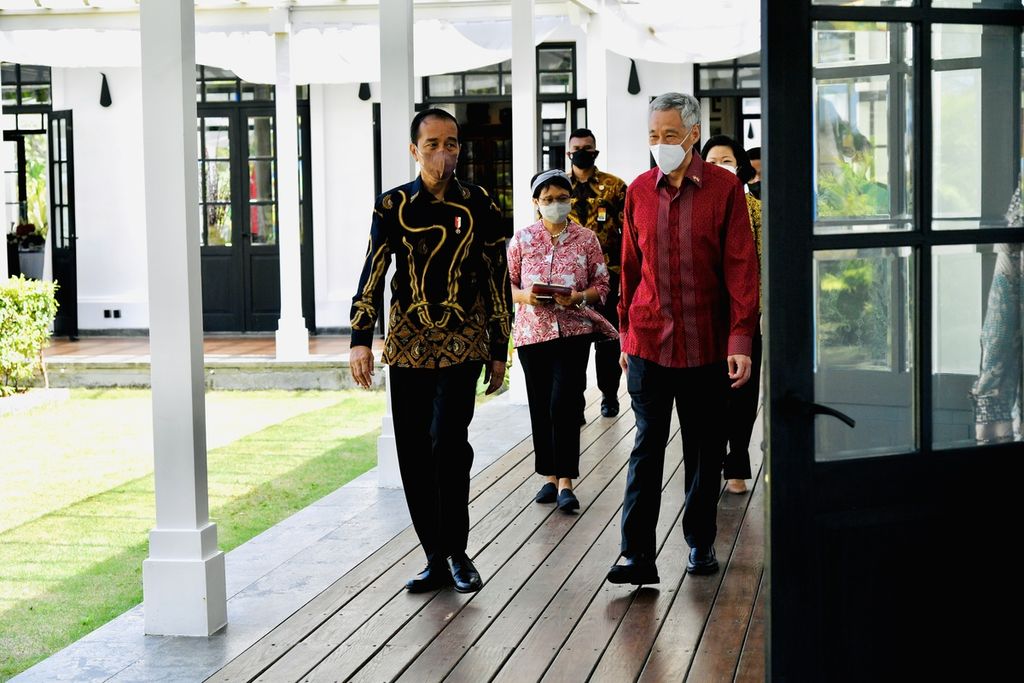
598, 205
450, 296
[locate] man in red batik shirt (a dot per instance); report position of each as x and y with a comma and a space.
687, 315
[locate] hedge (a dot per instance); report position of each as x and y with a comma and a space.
27, 309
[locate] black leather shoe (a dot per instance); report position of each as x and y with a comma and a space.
702, 561
434, 576
464, 574
635, 571
609, 406
567, 501
547, 494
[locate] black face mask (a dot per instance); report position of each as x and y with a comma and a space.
584, 158
755, 189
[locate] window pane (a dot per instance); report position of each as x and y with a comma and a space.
863, 125
39, 94
31, 73
261, 180
843, 43
263, 223
866, 3
979, 4
506, 84
977, 347
261, 137
218, 221
213, 73
217, 135
221, 91
447, 85
864, 351
751, 105
555, 83
716, 79
481, 84
10, 95
554, 59
218, 181
976, 125
748, 77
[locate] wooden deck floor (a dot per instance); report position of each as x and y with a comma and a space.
545, 611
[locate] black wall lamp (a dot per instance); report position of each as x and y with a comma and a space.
105, 100
634, 79
364, 91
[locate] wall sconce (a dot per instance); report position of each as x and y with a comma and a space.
364, 91
105, 100
634, 79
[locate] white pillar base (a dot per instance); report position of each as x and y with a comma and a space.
183, 583
389, 476
517, 383
292, 340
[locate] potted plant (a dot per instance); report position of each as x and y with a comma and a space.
29, 245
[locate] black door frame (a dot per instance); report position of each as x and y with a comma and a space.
811, 503
63, 237
242, 251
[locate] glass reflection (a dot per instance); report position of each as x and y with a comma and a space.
863, 124
864, 341
977, 113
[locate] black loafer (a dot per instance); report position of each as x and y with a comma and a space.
464, 574
434, 576
547, 494
567, 501
635, 571
609, 406
702, 561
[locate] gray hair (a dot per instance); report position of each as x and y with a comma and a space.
687, 106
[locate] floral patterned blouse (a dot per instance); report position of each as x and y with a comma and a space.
573, 260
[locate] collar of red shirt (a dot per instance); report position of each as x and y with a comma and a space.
695, 173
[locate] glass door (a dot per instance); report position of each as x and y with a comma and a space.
894, 310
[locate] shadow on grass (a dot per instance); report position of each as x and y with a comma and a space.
35, 628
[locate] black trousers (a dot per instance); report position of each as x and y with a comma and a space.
555, 373
606, 351
432, 409
699, 395
742, 412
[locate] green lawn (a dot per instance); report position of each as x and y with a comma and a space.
75, 567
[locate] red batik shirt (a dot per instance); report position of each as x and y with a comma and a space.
689, 269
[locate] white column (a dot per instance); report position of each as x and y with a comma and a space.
292, 337
183, 579
524, 139
397, 97
597, 87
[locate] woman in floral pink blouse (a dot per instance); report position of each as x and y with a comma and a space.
557, 272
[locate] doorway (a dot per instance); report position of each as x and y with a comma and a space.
239, 218
894, 381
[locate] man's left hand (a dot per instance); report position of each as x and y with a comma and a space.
739, 370
495, 371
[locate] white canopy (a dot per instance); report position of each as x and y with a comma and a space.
336, 42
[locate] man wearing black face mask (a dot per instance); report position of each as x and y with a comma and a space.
598, 202
755, 160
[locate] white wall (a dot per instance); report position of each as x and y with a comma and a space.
109, 195
344, 125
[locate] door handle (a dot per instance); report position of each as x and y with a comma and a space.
795, 402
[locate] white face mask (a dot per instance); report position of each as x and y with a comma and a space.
670, 157
555, 212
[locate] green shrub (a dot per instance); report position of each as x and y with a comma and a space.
27, 309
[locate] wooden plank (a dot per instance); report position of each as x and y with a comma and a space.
752, 667
487, 490
682, 628
444, 652
534, 653
546, 532
722, 640
303, 656
528, 524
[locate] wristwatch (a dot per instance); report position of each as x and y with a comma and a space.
583, 302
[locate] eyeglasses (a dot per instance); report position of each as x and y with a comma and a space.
548, 201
